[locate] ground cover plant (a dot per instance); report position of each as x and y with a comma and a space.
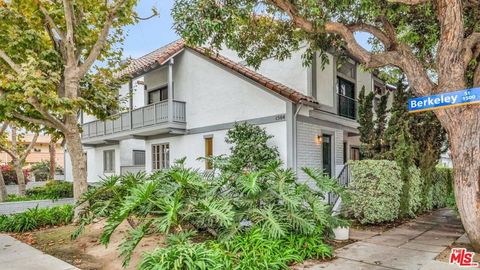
52, 190
259, 218
36, 218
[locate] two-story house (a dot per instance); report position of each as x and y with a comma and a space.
183, 100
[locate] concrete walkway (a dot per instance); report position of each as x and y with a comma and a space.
413, 245
15, 255
8, 208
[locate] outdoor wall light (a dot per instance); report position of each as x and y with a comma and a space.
318, 139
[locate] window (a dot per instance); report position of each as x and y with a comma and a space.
347, 69
138, 157
346, 98
160, 156
158, 95
208, 152
109, 161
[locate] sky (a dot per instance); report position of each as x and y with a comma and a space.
146, 36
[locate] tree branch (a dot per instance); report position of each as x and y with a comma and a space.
8, 151
101, 40
40, 122
28, 149
10, 62
4, 127
376, 32
469, 45
69, 42
50, 21
52, 119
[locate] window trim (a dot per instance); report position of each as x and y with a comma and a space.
112, 153
160, 88
161, 159
208, 165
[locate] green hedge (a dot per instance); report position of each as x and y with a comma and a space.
36, 218
442, 187
415, 194
375, 191
52, 190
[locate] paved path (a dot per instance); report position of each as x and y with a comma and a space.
7, 208
15, 255
413, 245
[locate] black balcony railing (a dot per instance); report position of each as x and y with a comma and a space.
343, 179
347, 107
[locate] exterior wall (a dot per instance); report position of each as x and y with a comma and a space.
309, 151
325, 81
192, 146
126, 148
364, 78
214, 95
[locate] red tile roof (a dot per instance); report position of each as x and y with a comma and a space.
163, 54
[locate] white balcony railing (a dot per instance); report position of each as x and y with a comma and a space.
149, 115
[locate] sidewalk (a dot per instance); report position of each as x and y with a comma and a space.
7, 208
15, 255
413, 245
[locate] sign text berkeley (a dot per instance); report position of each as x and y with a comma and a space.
444, 100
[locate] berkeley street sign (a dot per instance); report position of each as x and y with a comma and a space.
444, 100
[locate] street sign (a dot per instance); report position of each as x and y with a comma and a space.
444, 100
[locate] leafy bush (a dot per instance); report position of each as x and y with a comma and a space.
16, 198
442, 187
41, 170
375, 191
10, 176
36, 218
415, 196
220, 204
52, 190
250, 148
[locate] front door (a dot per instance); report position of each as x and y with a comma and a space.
327, 154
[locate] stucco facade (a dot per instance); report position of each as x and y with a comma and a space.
298, 105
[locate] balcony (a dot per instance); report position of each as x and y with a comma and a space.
149, 120
347, 107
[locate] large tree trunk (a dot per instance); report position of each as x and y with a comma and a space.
79, 162
464, 137
20, 177
52, 152
3, 188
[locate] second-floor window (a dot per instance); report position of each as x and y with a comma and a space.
158, 95
346, 98
138, 157
160, 156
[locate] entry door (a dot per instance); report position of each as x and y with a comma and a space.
327, 154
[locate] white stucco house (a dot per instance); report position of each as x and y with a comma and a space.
182, 101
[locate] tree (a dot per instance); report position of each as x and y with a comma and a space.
404, 156
47, 55
398, 115
380, 125
17, 151
366, 124
419, 37
250, 150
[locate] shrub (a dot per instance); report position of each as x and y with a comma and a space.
36, 218
375, 191
442, 187
415, 191
52, 190
10, 176
41, 170
16, 198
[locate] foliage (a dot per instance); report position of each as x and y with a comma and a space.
415, 195
36, 218
250, 148
10, 176
442, 190
404, 152
366, 124
375, 191
41, 170
16, 198
380, 125
52, 190
398, 115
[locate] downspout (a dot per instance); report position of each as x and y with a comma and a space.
130, 93
170, 90
294, 127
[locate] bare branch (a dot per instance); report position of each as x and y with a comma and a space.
10, 62
28, 149
4, 127
363, 27
40, 122
8, 151
50, 22
101, 40
69, 42
469, 45
50, 118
